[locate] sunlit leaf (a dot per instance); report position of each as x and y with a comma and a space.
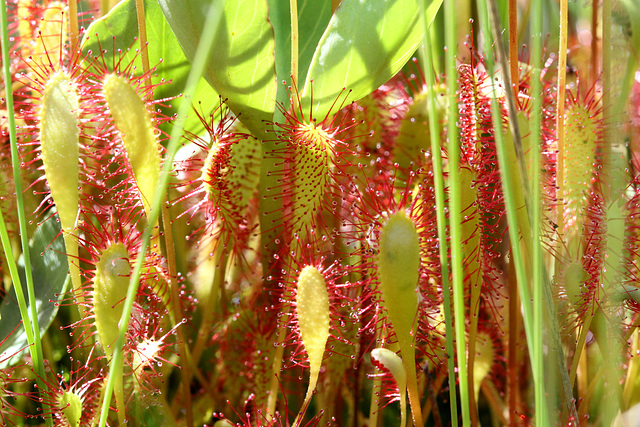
241, 65
364, 45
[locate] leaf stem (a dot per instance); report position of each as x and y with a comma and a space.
594, 41
615, 178
142, 34
177, 310
541, 411
295, 37
74, 33
275, 370
513, 47
533, 247
221, 259
513, 191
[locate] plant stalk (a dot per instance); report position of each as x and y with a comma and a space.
457, 257
74, 33
295, 37
513, 47
560, 107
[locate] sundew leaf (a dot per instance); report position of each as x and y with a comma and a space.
241, 65
364, 45
49, 268
118, 30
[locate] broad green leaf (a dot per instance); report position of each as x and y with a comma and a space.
49, 268
364, 45
242, 63
164, 53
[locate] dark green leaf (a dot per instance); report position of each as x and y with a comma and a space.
49, 268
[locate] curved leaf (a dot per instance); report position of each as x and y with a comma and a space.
49, 268
242, 63
118, 30
364, 45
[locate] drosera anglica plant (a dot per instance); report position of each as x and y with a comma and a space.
216, 177
309, 241
74, 396
53, 105
312, 156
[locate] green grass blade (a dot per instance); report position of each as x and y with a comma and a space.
541, 411
509, 188
614, 181
544, 302
30, 320
427, 59
455, 208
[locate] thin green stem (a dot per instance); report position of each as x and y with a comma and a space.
509, 189
513, 47
457, 256
615, 179
594, 41
541, 412
15, 278
177, 311
374, 408
210, 28
436, 156
546, 301
276, 366
294, 48
513, 383
221, 259
531, 237
73, 24
606, 92
562, 83
142, 35
582, 338
30, 319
